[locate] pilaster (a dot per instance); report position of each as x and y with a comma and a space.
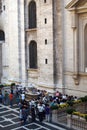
75, 47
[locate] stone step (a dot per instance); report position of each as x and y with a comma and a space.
61, 126
55, 126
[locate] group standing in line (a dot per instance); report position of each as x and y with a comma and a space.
39, 108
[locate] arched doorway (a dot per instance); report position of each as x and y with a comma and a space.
2, 40
33, 54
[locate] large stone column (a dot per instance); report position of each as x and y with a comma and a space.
13, 41
21, 31
57, 45
4, 25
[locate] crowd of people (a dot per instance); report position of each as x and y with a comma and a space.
39, 107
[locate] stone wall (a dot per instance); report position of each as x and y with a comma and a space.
44, 78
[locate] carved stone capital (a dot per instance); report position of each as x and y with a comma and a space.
76, 79
74, 20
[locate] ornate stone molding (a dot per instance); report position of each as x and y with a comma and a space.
76, 7
79, 6
76, 79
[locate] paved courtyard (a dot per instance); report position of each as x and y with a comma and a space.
9, 120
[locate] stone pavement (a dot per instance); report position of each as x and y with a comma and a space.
9, 120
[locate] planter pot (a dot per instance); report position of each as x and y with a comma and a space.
54, 111
69, 120
75, 116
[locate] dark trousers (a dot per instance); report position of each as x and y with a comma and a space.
11, 103
40, 116
0, 99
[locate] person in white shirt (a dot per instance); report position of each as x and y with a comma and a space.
40, 112
23, 96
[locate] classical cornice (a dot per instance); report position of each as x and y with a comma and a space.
71, 4
79, 6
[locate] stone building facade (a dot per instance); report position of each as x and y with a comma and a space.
43, 44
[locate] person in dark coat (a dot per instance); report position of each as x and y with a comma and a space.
0, 97
33, 113
47, 112
24, 114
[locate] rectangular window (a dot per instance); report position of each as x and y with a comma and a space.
45, 41
45, 1
46, 61
45, 21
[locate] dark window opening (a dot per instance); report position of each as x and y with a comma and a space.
45, 1
45, 41
2, 36
32, 14
46, 61
45, 20
33, 54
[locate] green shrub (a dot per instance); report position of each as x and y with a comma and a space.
1, 85
54, 107
84, 99
12, 84
70, 110
70, 103
86, 117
